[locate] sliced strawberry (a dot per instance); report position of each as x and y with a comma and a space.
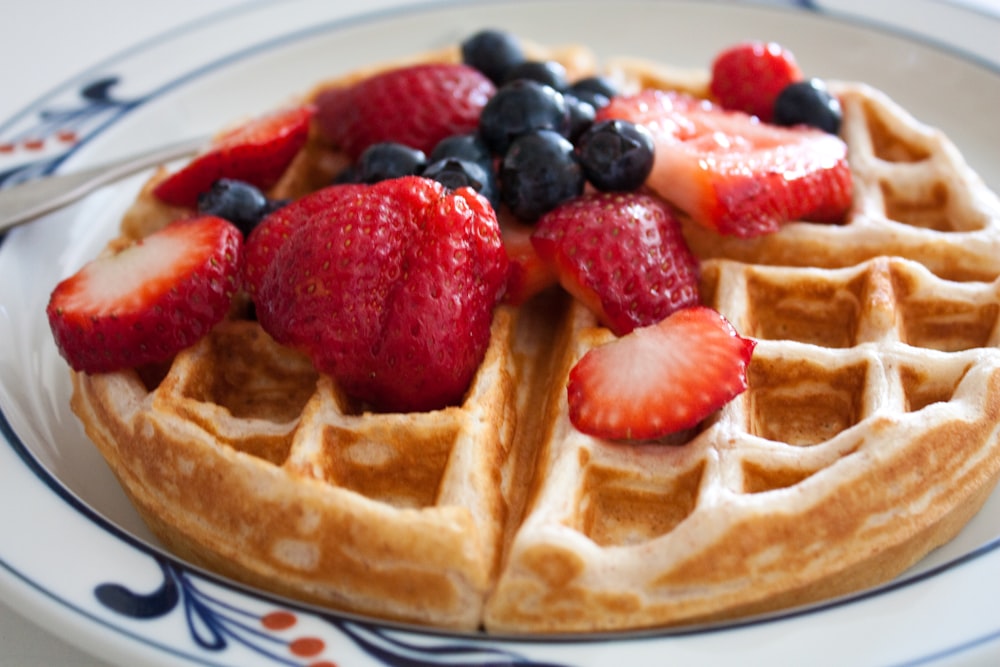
417, 105
149, 301
622, 254
749, 76
734, 174
257, 153
274, 230
529, 274
660, 379
391, 292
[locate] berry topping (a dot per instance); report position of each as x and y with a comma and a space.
734, 174
467, 148
147, 302
539, 172
257, 153
597, 90
389, 159
808, 103
462, 146
391, 291
546, 72
263, 242
240, 203
581, 116
417, 105
521, 107
748, 77
616, 155
661, 379
620, 254
529, 274
455, 173
492, 52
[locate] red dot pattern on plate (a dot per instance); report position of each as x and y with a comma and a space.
38, 143
306, 646
278, 620
324, 663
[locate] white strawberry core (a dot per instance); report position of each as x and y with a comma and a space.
132, 278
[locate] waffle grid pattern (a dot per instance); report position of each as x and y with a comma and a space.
866, 438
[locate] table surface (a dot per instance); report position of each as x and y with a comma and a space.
40, 33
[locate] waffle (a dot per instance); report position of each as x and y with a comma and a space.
867, 436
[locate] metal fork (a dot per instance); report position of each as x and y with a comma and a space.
27, 201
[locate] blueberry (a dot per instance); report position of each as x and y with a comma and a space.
538, 173
456, 173
350, 174
548, 72
469, 148
616, 155
382, 161
598, 90
464, 146
520, 107
240, 203
581, 115
492, 52
808, 103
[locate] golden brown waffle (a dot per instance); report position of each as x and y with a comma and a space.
867, 437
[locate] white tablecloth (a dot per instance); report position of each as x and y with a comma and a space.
45, 42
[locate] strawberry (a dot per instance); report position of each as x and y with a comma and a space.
416, 105
257, 153
149, 301
391, 292
529, 274
265, 239
621, 254
734, 174
749, 76
661, 379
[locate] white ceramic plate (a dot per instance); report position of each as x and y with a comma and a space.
75, 557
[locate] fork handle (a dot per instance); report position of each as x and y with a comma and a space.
26, 201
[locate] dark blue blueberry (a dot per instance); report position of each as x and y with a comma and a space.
520, 107
616, 155
456, 173
581, 115
539, 172
600, 85
594, 90
808, 103
348, 175
492, 52
464, 146
382, 161
240, 203
548, 72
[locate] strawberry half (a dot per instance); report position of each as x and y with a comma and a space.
417, 105
391, 291
661, 379
733, 173
257, 153
146, 303
621, 254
